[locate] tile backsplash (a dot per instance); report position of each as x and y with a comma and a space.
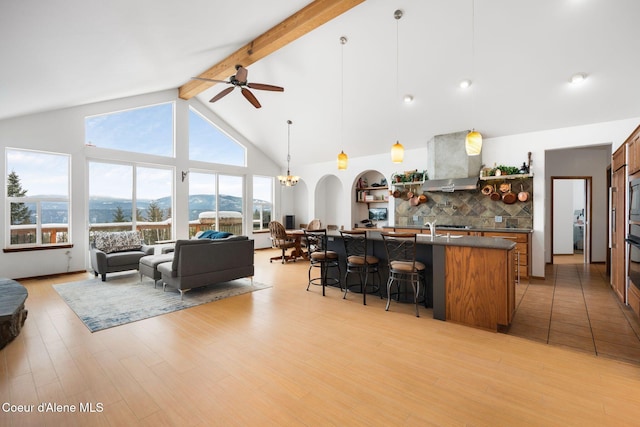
471, 208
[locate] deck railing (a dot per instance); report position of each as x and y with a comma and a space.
152, 232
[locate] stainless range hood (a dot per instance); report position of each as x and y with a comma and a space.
450, 185
449, 166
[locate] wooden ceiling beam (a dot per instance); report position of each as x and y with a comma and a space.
302, 22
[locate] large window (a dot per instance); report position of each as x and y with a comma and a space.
209, 144
131, 197
38, 203
215, 203
262, 202
147, 130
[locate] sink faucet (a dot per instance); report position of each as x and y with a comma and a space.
432, 227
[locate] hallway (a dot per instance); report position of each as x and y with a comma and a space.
575, 307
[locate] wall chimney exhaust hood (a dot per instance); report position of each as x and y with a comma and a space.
449, 166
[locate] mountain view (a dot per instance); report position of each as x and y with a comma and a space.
102, 209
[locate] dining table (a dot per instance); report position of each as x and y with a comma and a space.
298, 251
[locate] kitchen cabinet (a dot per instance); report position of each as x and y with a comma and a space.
522, 252
481, 294
633, 151
618, 223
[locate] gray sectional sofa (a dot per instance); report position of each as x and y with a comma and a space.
202, 262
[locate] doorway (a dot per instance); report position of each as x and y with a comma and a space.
571, 199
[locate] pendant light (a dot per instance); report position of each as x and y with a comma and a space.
289, 180
397, 150
343, 159
473, 140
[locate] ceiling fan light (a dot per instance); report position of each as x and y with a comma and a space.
473, 143
343, 161
397, 152
464, 84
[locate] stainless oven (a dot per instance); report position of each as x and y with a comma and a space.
634, 254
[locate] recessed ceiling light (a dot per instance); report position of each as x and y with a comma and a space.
408, 99
577, 78
465, 83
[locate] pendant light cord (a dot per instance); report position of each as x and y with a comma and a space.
343, 41
288, 146
398, 15
473, 61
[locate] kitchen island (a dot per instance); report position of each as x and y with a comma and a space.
472, 277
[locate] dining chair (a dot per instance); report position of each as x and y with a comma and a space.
280, 240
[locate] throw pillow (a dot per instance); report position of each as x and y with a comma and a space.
117, 241
212, 234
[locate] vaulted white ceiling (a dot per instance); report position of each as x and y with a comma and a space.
62, 53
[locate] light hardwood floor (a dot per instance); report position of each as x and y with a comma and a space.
284, 356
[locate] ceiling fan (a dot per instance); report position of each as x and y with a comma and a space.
240, 80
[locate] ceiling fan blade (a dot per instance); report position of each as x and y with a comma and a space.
210, 80
261, 86
241, 73
223, 93
252, 99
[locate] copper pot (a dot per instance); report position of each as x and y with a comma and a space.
523, 196
487, 190
509, 197
423, 198
495, 196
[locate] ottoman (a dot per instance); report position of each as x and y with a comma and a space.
149, 266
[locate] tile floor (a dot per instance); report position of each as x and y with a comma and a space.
575, 307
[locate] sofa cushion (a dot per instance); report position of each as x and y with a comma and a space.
119, 259
180, 243
117, 241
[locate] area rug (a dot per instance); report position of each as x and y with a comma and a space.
120, 300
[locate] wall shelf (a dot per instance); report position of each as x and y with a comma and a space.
503, 177
406, 184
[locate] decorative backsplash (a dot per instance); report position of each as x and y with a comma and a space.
469, 208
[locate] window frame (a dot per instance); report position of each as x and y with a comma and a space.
172, 153
221, 131
134, 191
272, 180
38, 201
216, 175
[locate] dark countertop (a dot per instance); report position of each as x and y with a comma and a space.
441, 239
443, 229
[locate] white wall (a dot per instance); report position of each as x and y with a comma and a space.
563, 206
62, 131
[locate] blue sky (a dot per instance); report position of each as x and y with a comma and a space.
147, 130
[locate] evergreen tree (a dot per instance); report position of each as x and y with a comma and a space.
154, 212
139, 215
118, 215
20, 212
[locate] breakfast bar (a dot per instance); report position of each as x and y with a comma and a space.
473, 277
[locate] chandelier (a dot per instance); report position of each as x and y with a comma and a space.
289, 180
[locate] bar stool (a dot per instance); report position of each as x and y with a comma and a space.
403, 266
320, 257
360, 262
